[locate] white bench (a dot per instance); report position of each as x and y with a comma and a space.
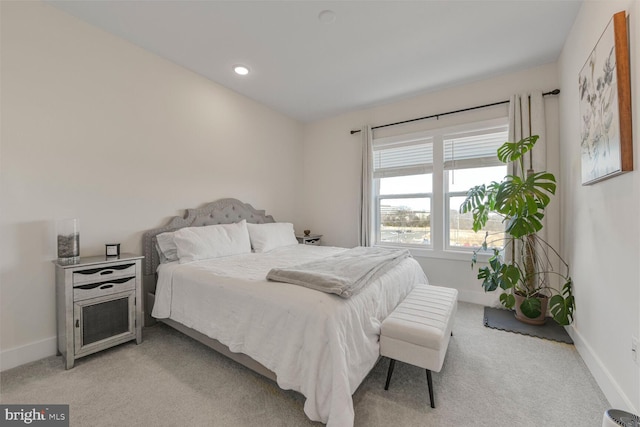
418, 330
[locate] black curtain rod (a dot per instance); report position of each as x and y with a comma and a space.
553, 92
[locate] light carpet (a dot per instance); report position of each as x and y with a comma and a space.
490, 378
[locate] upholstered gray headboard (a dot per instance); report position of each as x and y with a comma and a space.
223, 211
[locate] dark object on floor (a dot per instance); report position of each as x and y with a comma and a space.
505, 320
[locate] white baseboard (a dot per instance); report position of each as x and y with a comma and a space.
27, 353
612, 391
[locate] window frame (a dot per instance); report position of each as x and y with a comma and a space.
440, 197
378, 219
447, 209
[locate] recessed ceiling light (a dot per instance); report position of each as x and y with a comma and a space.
327, 17
241, 70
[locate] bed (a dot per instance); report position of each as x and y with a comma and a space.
316, 343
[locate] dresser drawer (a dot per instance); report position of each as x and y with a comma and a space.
94, 275
108, 287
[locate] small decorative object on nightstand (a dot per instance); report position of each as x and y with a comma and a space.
99, 304
309, 239
68, 234
112, 250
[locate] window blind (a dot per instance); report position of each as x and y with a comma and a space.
474, 149
402, 158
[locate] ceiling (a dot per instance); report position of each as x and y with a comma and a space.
374, 52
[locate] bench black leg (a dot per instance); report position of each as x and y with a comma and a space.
392, 364
430, 384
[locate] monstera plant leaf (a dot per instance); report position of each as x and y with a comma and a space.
508, 300
512, 151
523, 201
562, 306
480, 201
520, 226
531, 307
498, 275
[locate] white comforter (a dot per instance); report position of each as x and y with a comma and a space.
318, 344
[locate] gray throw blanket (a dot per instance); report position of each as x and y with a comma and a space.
343, 274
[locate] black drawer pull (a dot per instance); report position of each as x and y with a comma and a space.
104, 273
111, 269
102, 284
106, 286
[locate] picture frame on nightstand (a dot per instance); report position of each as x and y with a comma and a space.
112, 250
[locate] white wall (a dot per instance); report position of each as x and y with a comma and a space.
332, 163
601, 235
96, 128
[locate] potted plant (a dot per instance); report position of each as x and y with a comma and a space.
526, 265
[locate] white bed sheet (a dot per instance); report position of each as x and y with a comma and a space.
318, 344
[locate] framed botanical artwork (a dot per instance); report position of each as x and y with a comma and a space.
605, 105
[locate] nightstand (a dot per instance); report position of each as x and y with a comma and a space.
311, 239
99, 304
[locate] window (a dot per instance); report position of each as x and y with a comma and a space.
402, 172
420, 181
470, 159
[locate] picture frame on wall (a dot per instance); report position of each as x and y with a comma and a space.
605, 105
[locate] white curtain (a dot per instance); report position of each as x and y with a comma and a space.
366, 196
526, 118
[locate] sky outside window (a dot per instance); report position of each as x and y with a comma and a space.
464, 179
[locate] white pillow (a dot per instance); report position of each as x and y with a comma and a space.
265, 237
212, 241
167, 249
